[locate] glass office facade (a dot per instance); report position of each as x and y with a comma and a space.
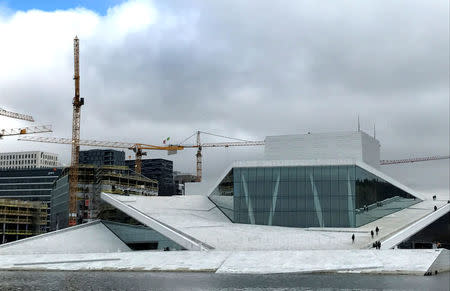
29, 185
307, 196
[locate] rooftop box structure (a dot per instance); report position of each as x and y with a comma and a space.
355, 145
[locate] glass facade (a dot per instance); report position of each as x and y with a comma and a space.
140, 237
307, 196
29, 185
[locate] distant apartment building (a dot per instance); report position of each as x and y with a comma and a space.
28, 160
100, 157
160, 170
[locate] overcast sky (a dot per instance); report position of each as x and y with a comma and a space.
247, 69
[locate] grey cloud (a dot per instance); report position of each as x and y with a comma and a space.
260, 68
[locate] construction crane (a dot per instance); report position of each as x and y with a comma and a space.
138, 151
16, 115
413, 160
25, 130
199, 146
77, 103
137, 148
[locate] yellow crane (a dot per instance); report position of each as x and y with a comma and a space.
77, 102
138, 148
199, 146
25, 130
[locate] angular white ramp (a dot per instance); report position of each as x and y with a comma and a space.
183, 239
91, 237
414, 228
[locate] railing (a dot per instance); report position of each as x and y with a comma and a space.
20, 232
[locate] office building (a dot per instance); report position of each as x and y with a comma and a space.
29, 185
101, 157
92, 180
28, 160
160, 170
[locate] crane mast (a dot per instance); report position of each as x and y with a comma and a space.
199, 158
77, 103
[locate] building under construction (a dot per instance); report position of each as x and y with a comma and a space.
21, 219
92, 180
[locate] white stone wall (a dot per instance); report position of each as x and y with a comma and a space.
370, 150
337, 145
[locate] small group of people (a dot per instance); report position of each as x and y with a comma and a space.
366, 208
371, 233
377, 245
376, 230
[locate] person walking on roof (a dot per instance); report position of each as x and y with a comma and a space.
353, 238
371, 233
377, 230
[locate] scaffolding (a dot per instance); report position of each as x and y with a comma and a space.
21, 219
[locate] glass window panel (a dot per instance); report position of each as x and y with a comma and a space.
343, 203
284, 206
334, 190
268, 174
342, 172
251, 186
283, 189
326, 173
343, 188
260, 175
317, 173
268, 203
284, 174
301, 173
301, 219
292, 204
312, 219
309, 204
292, 191
237, 189
326, 187
309, 173
326, 216
243, 204
243, 217
292, 173
335, 203
301, 195
244, 174
237, 175
276, 174
269, 188
259, 189
325, 202
351, 171
237, 216
237, 204
252, 174
334, 172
